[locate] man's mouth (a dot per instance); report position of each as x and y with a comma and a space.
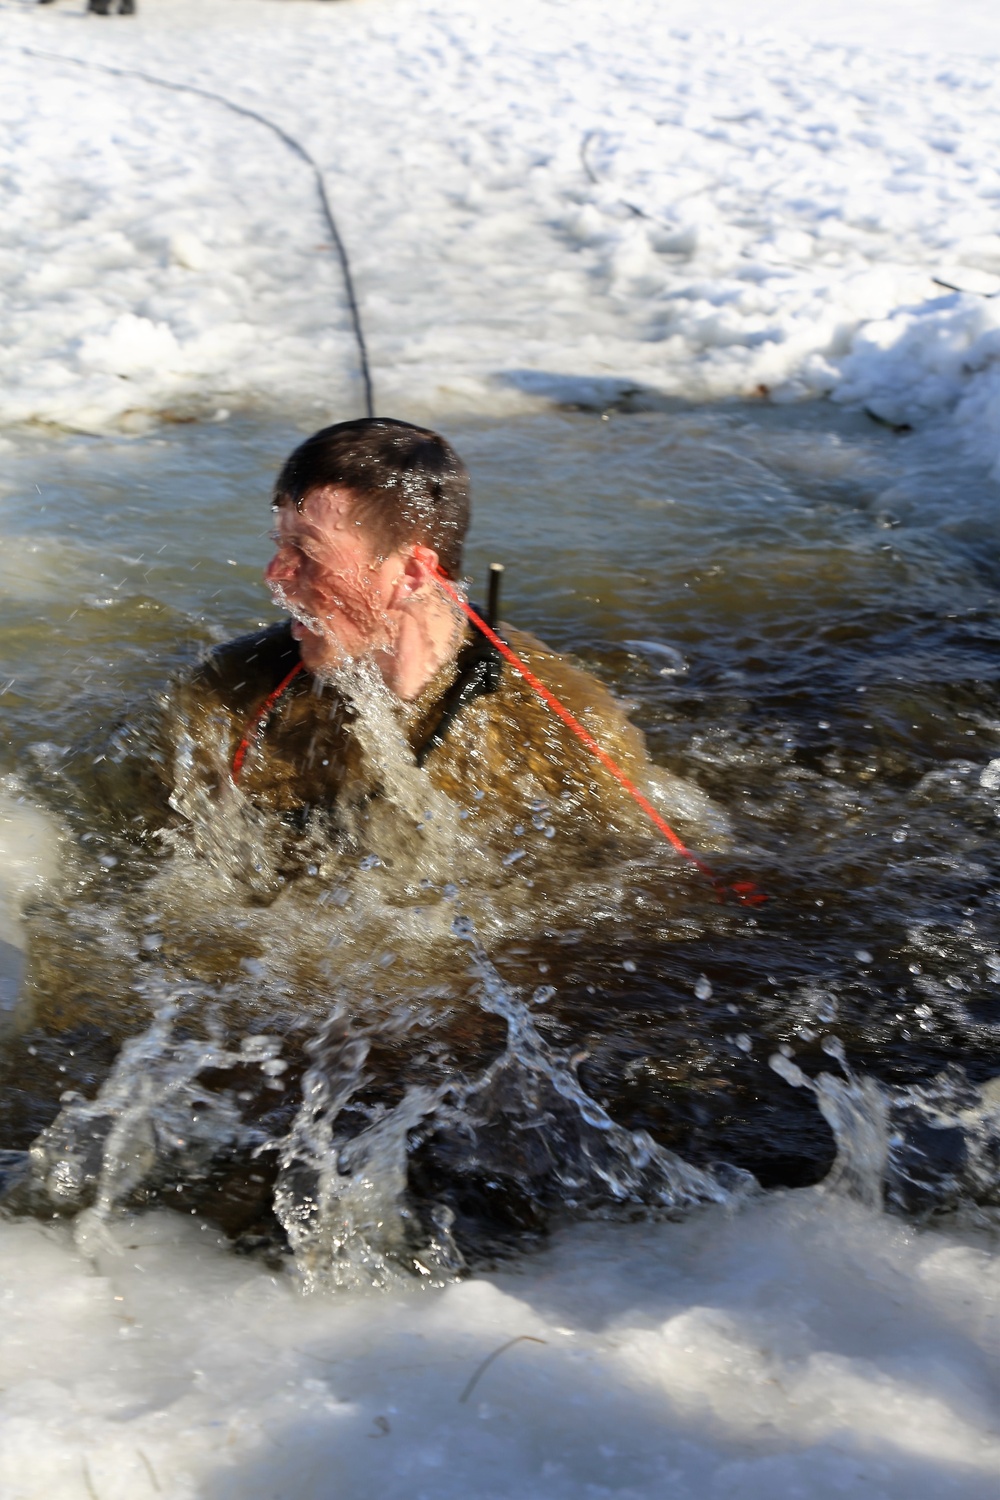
302, 623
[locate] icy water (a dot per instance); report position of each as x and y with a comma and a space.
360, 1088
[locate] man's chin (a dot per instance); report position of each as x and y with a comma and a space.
314, 649
320, 654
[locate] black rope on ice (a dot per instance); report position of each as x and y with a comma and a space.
293, 145
633, 208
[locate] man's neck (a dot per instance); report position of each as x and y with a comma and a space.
427, 636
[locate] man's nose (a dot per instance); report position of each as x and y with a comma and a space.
281, 567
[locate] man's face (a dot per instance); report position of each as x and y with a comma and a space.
328, 573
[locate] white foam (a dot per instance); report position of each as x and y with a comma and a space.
29, 857
29, 854
802, 1347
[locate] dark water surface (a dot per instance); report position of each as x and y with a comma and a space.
801, 609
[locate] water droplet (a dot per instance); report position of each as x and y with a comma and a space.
834, 1047
703, 988
789, 1071
743, 1042
628, 965
863, 956
899, 836
513, 857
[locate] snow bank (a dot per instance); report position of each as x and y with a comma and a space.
539, 199
801, 1347
29, 853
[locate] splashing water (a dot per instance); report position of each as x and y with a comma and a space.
314, 625
408, 810
922, 1149
151, 1119
641, 1069
343, 1204
342, 1193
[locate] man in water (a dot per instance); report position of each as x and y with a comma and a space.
367, 513
377, 680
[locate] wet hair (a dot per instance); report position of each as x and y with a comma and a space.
409, 485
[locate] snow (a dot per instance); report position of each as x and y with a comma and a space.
801, 1347
541, 201
29, 848
28, 859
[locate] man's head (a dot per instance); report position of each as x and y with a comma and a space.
366, 512
409, 484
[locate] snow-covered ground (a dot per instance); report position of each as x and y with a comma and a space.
539, 199
804, 1348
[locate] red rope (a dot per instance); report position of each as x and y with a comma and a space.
744, 890
256, 726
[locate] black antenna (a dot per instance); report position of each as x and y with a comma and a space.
493, 601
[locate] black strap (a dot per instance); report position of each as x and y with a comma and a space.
480, 669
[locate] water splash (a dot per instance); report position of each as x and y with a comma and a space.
344, 1200
153, 1118
918, 1150
236, 844
344, 1203
407, 809
530, 1114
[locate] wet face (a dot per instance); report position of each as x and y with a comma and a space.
343, 593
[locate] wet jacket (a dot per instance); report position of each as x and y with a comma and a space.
506, 760
505, 747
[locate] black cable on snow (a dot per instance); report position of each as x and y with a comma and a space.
293, 145
633, 208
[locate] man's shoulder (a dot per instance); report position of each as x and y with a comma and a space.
586, 697
562, 674
245, 669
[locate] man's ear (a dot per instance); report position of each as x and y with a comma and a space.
420, 566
